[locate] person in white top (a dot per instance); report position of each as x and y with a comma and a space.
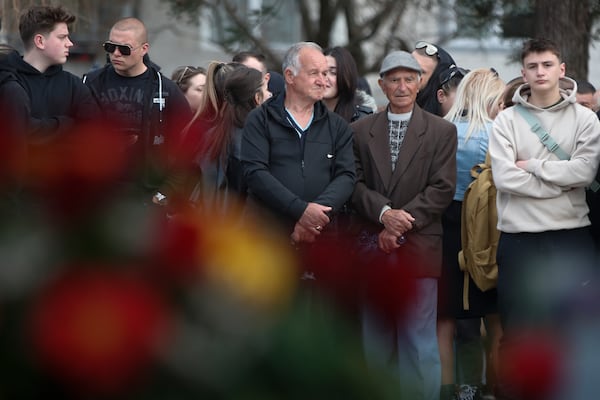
546, 252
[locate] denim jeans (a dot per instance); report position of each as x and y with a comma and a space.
408, 347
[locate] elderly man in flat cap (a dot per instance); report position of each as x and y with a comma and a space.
406, 177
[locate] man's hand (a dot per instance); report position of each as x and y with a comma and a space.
303, 234
387, 241
397, 222
315, 217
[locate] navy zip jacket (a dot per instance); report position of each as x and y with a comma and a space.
284, 172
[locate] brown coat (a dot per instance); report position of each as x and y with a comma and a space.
423, 182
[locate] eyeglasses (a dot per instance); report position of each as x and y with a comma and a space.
451, 72
430, 49
124, 49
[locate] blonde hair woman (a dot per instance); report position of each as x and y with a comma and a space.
477, 102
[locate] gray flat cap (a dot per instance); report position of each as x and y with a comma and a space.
399, 59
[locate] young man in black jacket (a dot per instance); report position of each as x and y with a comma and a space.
140, 102
58, 99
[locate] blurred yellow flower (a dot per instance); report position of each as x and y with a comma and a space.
247, 260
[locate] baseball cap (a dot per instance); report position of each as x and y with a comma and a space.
399, 59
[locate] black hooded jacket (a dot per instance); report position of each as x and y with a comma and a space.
427, 98
161, 126
14, 108
14, 105
57, 98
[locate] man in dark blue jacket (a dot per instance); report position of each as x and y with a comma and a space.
297, 156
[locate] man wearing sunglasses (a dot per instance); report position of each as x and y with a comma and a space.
140, 102
58, 99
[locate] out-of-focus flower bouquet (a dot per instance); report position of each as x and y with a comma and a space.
104, 297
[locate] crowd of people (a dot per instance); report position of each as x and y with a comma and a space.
306, 147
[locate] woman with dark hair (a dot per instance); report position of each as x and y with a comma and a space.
196, 137
341, 92
242, 94
221, 154
191, 81
213, 101
433, 61
449, 80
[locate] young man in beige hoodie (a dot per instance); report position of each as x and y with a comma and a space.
546, 253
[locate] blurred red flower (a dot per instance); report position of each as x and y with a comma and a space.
97, 331
13, 156
90, 152
179, 249
389, 286
78, 168
335, 267
530, 364
351, 277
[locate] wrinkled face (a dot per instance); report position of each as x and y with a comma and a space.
309, 83
542, 71
56, 44
195, 92
331, 90
427, 64
400, 86
133, 64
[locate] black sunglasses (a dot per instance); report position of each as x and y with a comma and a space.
451, 72
430, 49
124, 49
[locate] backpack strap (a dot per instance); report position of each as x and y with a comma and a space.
542, 134
548, 141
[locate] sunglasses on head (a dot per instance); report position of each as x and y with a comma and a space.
187, 72
124, 49
430, 49
451, 72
